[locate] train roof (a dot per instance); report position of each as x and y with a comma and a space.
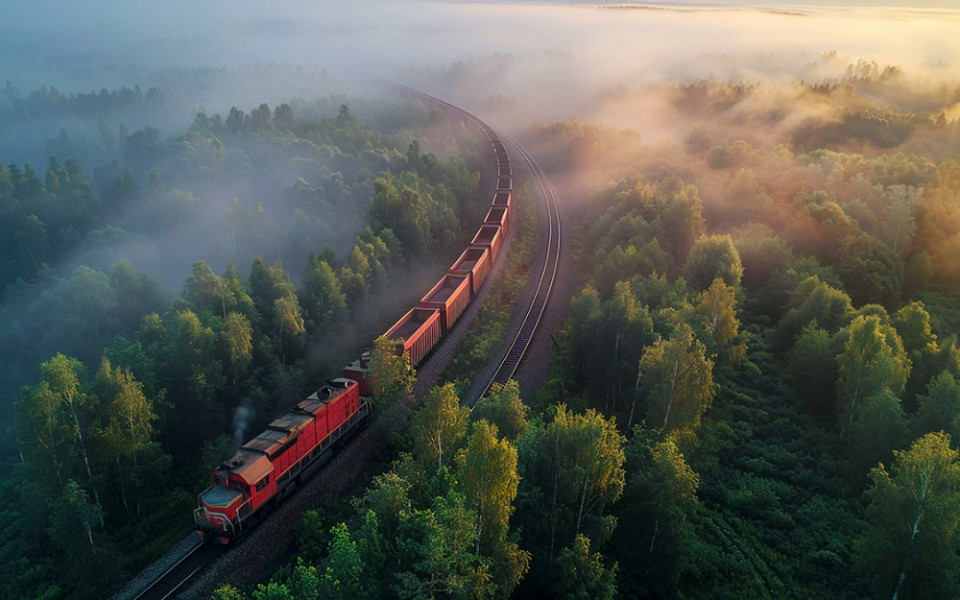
292, 422
249, 465
270, 442
326, 393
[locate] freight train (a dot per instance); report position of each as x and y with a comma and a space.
292, 447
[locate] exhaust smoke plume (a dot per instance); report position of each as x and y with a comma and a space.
244, 416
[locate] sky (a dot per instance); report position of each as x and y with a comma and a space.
555, 50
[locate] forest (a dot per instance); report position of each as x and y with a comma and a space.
132, 391
755, 392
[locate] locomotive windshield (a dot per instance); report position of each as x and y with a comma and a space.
221, 496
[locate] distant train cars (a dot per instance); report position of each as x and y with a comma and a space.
498, 215
290, 449
416, 333
297, 443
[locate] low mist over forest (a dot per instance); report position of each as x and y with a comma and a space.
207, 210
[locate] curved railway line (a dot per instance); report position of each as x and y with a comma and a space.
548, 275
175, 578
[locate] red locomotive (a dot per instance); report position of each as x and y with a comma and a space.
296, 444
290, 449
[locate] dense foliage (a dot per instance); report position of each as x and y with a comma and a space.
817, 286
137, 396
756, 386
756, 392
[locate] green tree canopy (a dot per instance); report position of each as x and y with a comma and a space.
713, 257
503, 407
677, 381
438, 427
873, 366
583, 575
390, 373
718, 305
914, 513
321, 296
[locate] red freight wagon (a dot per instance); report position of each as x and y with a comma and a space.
498, 147
488, 237
502, 159
504, 171
503, 184
419, 331
450, 296
475, 263
503, 198
498, 215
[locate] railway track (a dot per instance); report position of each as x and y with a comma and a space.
180, 573
548, 275
175, 579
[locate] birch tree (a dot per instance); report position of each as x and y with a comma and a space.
587, 456
718, 305
488, 474
289, 322
237, 337
439, 425
677, 381
62, 376
130, 426
488, 471
77, 519
914, 510
44, 432
873, 364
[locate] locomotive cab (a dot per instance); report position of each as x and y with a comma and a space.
241, 485
221, 498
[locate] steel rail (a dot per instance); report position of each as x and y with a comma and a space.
151, 589
548, 274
